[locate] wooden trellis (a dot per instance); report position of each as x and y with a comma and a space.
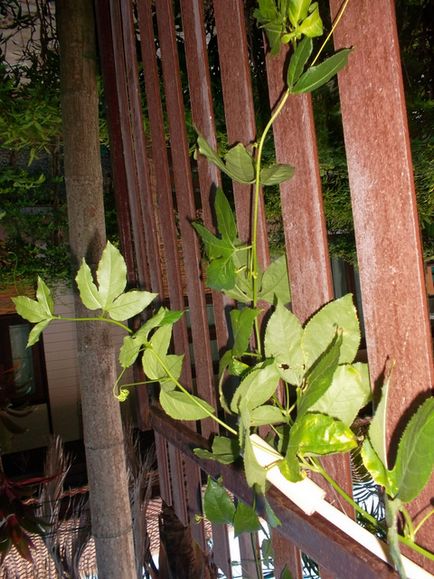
383, 199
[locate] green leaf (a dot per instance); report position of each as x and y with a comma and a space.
132, 344
245, 520
255, 473
320, 434
173, 364
129, 351
349, 391
111, 275
320, 376
36, 331
321, 328
312, 25
214, 246
226, 224
272, 519
316, 76
257, 387
208, 152
29, 309
377, 428
283, 343
266, 415
183, 406
374, 466
224, 450
159, 345
44, 297
242, 324
286, 573
275, 282
240, 165
415, 457
298, 10
298, 61
220, 274
89, 294
276, 174
129, 304
218, 505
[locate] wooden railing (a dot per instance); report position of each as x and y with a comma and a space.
140, 63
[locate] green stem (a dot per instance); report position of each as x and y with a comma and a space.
345, 496
196, 401
95, 319
404, 540
422, 522
335, 23
408, 523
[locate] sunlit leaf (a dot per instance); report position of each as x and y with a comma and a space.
349, 391
415, 456
283, 343
111, 275
320, 434
321, 328
181, 406
374, 466
89, 294
36, 331
129, 304
377, 428
257, 387
44, 297
312, 25
298, 10
320, 375
29, 309
275, 282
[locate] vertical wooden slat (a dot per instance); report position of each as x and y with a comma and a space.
301, 197
112, 106
143, 184
287, 555
163, 183
238, 106
385, 215
127, 145
304, 223
209, 178
185, 497
203, 119
186, 206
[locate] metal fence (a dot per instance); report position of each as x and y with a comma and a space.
158, 195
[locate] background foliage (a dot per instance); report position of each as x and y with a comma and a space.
33, 230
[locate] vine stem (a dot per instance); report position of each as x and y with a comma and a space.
95, 319
255, 217
195, 400
404, 540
